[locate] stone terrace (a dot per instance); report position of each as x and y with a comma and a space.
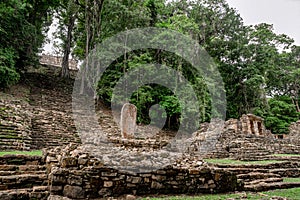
23, 177
41, 117
244, 139
76, 175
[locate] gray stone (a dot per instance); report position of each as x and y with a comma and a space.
128, 120
73, 192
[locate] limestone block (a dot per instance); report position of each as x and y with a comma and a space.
73, 192
128, 120
68, 162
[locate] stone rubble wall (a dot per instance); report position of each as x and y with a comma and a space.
57, 61
243, 140
15, 126
294, 131
77, 175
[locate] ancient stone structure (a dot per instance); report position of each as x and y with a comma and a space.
57, 61
262, 177
128, 120
40, 118
23, 177
251, 124
248, 124
294, 131
71, 172
75, 174
245, 139
15, 126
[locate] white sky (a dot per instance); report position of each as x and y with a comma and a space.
283, 14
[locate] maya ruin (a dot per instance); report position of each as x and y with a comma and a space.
149, 99
66, 170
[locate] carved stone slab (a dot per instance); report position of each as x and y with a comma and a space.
128, 120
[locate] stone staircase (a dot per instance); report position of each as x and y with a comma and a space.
51, 100
23, 177
38, 114
263, 177
11, 138
15, 126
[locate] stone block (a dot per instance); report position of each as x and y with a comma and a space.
73, 192
68, 162
128, 120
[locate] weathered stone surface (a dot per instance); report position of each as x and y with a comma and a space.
130, 197
57, 61
294, 131
73, 192
252, 124
128, 120
186, 174
56, 197
68, 162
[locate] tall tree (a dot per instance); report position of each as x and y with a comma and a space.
68, 18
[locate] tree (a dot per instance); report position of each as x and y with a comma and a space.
67, 14
22, 28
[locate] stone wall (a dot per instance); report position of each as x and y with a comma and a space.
77, 175
56, 61
15, 126
245, 139
251, 124
294, 131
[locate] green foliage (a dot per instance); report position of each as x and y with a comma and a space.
8, 74
291, 194
281, 114
30, 153
22, 28
239, 162
260, 69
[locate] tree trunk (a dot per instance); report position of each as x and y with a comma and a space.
65, 62
87, 44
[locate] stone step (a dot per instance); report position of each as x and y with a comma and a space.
279, 165
284, 158
8, 127
256, 176
13, 139
37, 192
270, 186
4, 133
289, 172
266, 180
6, 170
22, 181
237, 171
9, 173
21, 160
14, 147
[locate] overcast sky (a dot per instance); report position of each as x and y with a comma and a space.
283, 14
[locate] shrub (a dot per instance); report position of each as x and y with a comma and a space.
8, 73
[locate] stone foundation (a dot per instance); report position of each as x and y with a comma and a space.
76, 175
245, 139
57, 61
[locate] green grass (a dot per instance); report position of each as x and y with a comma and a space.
285, 155
291, 180
238, 162
291, 194
30, 153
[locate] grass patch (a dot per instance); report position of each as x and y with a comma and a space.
30, 153
291, 180
239, 162
291, 194
284, 155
